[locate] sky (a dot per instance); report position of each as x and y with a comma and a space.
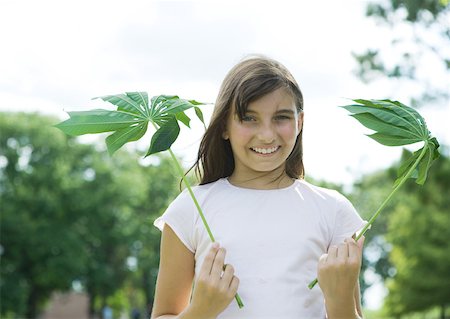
57, 55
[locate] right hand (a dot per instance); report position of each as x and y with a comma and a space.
215, 287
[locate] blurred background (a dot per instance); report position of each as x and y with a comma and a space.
76, 226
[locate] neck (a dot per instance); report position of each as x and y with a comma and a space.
263, 181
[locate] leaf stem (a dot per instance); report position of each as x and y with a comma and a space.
375, 215
188, 186
199, 209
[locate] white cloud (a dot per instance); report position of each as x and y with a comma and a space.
60, 54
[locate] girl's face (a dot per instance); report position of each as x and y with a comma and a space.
262, 142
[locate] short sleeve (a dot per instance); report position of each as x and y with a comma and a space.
347, 221
180, 216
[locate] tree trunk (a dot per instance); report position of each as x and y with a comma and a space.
92, 313
443, 312
32, 302
147, 283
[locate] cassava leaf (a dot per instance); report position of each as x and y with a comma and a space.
164, 137
425, 164
96, 121
374, 123
387, 116
406, 165
174, 106
393, 140
405, 112
157, 103
396, 124
123, 136
123, 103
183, 118
141, 98
199, 114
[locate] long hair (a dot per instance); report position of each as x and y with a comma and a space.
246, 82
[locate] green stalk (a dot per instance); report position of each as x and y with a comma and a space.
202, 216
375, 215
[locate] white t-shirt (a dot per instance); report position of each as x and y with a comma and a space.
273, 238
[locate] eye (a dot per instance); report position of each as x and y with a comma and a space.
248, 118
282, 117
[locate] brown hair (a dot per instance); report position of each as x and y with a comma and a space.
249, 80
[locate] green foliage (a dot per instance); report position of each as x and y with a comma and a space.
130, 121
37, 177
70, 212
419, 235
425, 39
396, 124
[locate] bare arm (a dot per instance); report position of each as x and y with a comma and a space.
358, 300
176, 273
214, 290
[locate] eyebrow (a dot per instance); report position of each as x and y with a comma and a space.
282, 111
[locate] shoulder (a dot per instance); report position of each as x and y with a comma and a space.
201, 192
319, 192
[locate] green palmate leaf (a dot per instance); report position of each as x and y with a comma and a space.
124, 103
157, 103
199, 114
183, 118
130, 122
123, 136
164, 137
96, 121
374, 123
387, 116
431, 154
406, 166
393, 140
167, 105
141, 98
403, 111
396, 124
174, 106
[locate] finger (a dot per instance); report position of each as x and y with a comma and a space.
228, 274
217, 266
342, 252
361, 241
322, 259
353, 248
209, 259
234, 285
332, 252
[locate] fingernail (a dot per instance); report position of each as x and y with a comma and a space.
215, 245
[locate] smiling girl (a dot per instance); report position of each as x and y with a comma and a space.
276, 231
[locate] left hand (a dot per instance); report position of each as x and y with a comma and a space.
338, 272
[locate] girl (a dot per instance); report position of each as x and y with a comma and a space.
276, 231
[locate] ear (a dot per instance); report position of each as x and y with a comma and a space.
300, 121
225, 135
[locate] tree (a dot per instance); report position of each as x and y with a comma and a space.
38, 173
420, 36
70, 212
418, 231
366, 195
161, 186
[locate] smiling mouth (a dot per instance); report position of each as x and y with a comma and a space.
265, 150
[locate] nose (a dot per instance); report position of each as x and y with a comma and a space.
266, 133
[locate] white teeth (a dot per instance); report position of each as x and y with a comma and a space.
265, 150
